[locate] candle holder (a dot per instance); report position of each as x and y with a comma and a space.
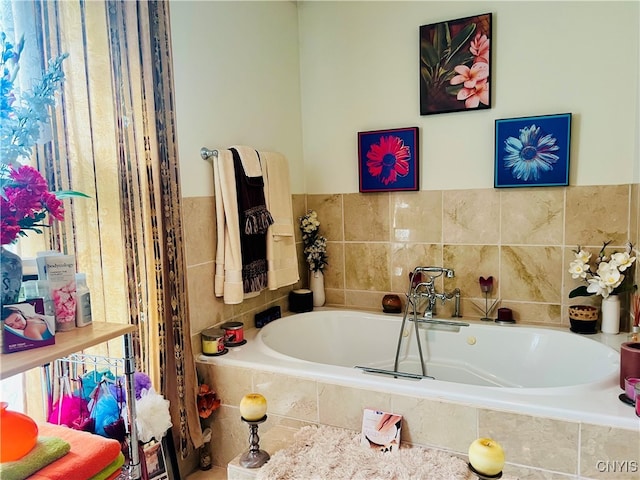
255, 457
482, 476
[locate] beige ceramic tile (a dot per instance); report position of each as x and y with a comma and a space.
533, 441
470, 262
334, 271
230, 383
289, 396
471, 216
535, 313
204, 309
595, 214
531, 274
199, 224
416, 217
523, 473
371, 301
299, 206
229, 434
367, 266
532, 216
334, 297
366, 217
329, 210
429, 422
405, 257
605, 448
343, 406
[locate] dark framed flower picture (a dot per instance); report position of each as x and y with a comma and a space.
455, 65
388, 160
532, 151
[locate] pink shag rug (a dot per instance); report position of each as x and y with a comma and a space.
328, 453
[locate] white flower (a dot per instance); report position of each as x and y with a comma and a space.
607, 279
578, 269
623, 260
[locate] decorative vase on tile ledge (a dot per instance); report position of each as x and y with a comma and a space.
611, 314
316, 285
11, 270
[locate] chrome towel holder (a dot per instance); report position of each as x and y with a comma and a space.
206, 153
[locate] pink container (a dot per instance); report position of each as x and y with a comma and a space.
629, 387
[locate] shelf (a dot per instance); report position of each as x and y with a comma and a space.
66, 344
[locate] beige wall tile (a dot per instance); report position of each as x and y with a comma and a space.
416, 217
531, 274
405, 257
532, 216
335, 297
364, 300
288, 396
429, 422
230, 383
329, 210
199, 224
367, 266
204, 309
366, 217
596, 214
471, 216
536, 313
533, 441
470, 262
343, 406
334, 271
299, 205
604, 451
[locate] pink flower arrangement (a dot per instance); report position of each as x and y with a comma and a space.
25, 201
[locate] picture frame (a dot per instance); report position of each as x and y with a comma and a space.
158, 460
455, 65
532, 151
388, 160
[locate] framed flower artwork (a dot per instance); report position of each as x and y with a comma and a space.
532, 151
388, 160
455, 65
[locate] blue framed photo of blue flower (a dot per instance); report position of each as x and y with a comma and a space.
388, 160
532, 151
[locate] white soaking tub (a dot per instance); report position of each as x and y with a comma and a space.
524, 369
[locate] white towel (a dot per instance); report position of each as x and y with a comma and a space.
228, 269
282, 260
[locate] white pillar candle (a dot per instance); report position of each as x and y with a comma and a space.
253, 407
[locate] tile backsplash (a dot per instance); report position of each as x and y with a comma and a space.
522, 237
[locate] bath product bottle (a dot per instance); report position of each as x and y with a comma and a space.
83, 301
39, 289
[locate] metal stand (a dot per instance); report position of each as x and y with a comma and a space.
255, 457
482, 476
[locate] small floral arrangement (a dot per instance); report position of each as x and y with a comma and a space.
315, 245
25, 198
208, 401
25, 203
604, 277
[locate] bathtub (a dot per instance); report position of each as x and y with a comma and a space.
537, 371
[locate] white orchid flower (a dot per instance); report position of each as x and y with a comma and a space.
598, 287
610, 275
623, 260
578, 269
583, 256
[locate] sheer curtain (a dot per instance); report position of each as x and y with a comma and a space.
113, 138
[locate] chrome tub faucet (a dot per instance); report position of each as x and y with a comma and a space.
426, 289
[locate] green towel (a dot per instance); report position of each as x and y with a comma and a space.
110, 469
47, 450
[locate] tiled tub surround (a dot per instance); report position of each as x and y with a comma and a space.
537, 446
523, 237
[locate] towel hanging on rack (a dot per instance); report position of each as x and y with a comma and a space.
282, 259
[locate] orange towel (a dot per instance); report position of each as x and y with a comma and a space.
89, 454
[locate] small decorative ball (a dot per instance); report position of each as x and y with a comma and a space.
391, 304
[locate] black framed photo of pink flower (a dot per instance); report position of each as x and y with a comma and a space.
455, 65
532, 151
388, 160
